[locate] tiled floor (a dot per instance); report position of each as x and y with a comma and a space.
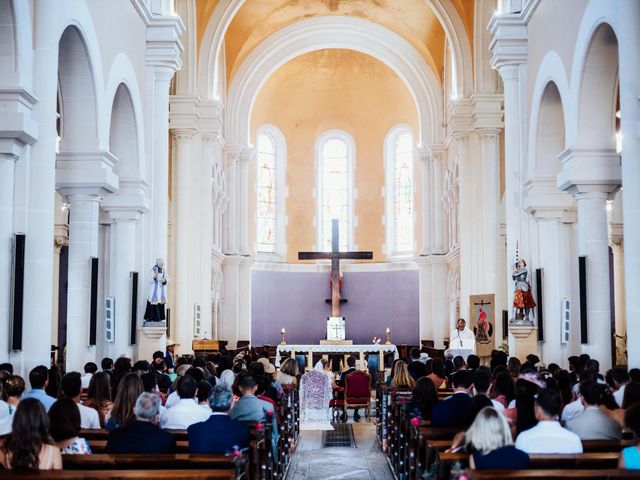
366, 462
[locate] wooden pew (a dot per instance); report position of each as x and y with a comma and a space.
226, 474
169, 461
596, 474
601, 460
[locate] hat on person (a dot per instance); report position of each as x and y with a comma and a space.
268, 366
172, 342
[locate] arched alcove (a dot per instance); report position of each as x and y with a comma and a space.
550, 137
77, 94
8, 52
123, 141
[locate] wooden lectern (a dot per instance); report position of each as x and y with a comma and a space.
202, 348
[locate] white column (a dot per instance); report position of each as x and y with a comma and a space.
554, 230
232, 158
425, 178
83, 244
7, 165
594, 244
439, 299
123, 261
182, 326
617, 245
244, 299
229, 321
488, 223
243, 200
436, 177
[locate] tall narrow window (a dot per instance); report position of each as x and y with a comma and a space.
271, 188
335, 188
400, 214
266, 207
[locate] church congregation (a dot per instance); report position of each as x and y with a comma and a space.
320, 239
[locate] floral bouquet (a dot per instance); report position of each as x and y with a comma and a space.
376, 340
239, 460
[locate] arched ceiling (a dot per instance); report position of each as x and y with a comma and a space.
412, 19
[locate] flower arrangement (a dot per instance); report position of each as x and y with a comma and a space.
259, 427
415, 421
376, 340
239, 460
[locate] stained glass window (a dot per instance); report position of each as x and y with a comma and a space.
335, 192
403, 192
266, 207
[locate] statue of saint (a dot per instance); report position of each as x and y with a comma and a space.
523, 299
158, 293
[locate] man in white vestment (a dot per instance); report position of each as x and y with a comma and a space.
462, 337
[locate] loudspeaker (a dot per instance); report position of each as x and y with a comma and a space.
565, 321
539, 278
17, 291
109, 320
93, 313
505, 324
197, 328
584, 318
134, 307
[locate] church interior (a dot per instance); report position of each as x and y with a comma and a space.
320, 177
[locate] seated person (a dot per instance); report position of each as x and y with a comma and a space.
593, 423
482, 386
187, 411
142, 435
342, 382
548, 436
29, 447
64, 421
417, 369
71, 387
402, 380
630, 456
39, 378
454, 411
218, 434
489, 438
250, 408
288, 372
423, 398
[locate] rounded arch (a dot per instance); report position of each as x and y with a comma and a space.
16, 50
78, 94
550, 103
213, 38
123, 96
333, 32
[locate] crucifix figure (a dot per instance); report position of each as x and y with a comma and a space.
482, 334
335, 255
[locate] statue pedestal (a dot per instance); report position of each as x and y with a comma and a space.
526, 337
151, 339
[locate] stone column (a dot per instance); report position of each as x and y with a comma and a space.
427, 194
182, 325
232, 159
616, 240
436, 168
123, 262
7, 165
83, 244
594, 244
230, 317
243, 200
244, 299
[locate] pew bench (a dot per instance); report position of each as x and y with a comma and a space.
593, 460
542, 474
226, 474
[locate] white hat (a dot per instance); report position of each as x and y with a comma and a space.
268, 366
172, 342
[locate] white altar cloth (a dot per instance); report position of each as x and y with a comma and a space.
309, 350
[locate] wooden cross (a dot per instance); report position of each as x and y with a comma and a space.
335, 255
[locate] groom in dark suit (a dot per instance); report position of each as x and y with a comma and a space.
218, 434
454, 411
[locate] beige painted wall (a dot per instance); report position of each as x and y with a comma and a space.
320, 91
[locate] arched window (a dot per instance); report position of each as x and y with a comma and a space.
270, 221
335, 186
399, 189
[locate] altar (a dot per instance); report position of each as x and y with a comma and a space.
360, 350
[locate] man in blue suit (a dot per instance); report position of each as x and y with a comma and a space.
218, 434
454, 411
143, 434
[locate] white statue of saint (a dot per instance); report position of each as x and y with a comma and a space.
157, 298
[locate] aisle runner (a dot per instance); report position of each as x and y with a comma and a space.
341, 436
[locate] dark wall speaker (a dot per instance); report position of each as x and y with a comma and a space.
134, 307
17, 291
584, 318
93, 312
505, 324
539, 309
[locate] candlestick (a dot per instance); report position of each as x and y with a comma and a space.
388, 342
282, 334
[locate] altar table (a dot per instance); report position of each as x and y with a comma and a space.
309, 350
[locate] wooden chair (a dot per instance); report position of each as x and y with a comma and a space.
357, 392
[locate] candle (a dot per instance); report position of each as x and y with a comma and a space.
388, 330
282, 332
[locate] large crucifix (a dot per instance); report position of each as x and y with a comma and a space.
335, 255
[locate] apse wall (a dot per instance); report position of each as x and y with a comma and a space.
295, 300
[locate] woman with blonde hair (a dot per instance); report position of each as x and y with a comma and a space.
490, 441
401, 379
288, 372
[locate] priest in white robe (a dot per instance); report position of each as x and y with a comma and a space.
462, 337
